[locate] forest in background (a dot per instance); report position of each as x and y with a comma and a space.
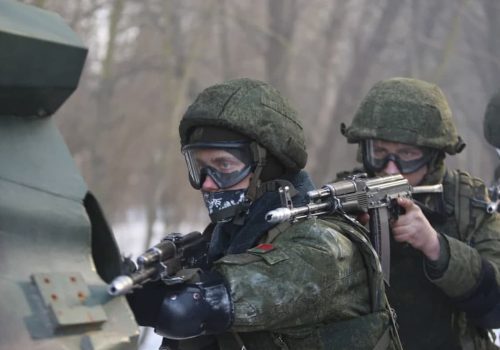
149, 59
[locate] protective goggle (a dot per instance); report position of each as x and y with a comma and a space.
407, 158
227, 163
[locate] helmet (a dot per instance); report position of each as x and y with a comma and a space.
254, 109
407, 111
491, 124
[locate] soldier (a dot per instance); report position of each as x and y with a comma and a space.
305, 285
445, 249
491, 128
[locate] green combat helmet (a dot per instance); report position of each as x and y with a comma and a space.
491, 124
408, 111
257, 111
56, 249
254, 109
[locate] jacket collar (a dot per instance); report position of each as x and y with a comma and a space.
229, 238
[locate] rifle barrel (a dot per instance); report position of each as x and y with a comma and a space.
428, 189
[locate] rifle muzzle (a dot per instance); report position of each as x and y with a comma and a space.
121, 285
278, 215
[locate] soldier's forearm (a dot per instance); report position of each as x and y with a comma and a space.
436, 268
462, 273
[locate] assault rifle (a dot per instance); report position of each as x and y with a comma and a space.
354, 195
163, 261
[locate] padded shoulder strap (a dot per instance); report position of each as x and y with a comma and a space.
469, 202
379, 298
276, 231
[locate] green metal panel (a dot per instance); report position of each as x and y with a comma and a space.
67, 297
38, 157
51, 295
48, 234
40, 60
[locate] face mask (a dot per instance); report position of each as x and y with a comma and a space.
222, 205
408, 159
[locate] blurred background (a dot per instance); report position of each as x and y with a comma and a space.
149, 59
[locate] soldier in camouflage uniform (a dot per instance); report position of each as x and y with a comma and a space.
445, 249
313, 284
491, 128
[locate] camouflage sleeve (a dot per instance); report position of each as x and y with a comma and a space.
312, 273
435, 269
472, 278
466, 261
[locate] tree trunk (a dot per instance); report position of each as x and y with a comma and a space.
349, 93
282, 18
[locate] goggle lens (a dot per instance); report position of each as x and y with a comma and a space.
227, 163
407, 158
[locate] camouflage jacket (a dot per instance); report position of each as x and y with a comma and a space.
471, 279
430, 311
311, 291
314, 284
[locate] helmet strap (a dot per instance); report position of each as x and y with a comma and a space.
259, 157
435, 169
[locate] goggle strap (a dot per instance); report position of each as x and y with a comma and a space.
194, 177
259, 156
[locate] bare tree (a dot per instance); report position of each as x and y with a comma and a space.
282, 19
148, 60
353, 85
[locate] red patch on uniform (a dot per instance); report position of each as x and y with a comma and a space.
265, 247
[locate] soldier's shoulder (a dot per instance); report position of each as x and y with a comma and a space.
329, 229
339, 223
314, 225
469, 185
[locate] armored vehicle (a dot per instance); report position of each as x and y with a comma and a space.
56, 250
